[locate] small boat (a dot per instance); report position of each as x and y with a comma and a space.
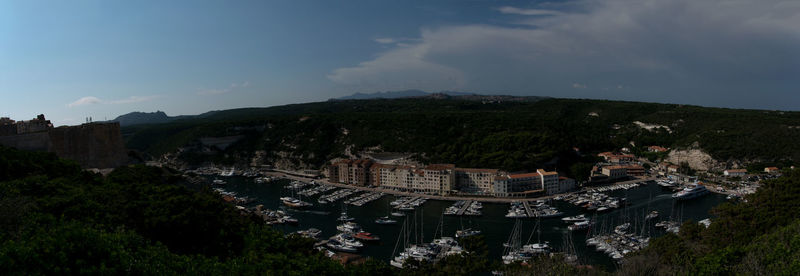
366, 236
294, 203
348, 227
398, 214
291, 220
218, 182
467, 232
311, 233
573, 219
621, 229
385, 220
581, 225
337, 245
344, 217
651, 215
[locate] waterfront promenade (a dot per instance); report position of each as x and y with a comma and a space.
436, 197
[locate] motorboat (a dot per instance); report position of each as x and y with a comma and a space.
651, 215
295, 203
573, 219
344, 217
691, 191
337, 245
348, 227
385, 220
578, 226
366, 236
467, 232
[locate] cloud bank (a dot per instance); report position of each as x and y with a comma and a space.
687, 51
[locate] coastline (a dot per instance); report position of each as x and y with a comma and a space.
439, 197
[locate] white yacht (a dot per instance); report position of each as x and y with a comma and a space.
691, 191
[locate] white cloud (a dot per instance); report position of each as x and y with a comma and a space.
579, 85
674, 48
94, 100
85, 101
385, 40
231, 88
514, 10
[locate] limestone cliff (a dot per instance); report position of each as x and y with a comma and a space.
696, 158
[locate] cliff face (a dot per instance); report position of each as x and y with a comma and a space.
696, 158
95, 145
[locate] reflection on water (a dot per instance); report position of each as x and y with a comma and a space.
493, 223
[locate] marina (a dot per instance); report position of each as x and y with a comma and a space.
493, 224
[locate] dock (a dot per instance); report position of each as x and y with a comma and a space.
528, 209
412, 199
464, 207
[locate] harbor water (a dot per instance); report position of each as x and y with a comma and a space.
495, 226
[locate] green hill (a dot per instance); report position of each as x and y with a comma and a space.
509, 133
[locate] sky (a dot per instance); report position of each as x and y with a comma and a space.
76, 59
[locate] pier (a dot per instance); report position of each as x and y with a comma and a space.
528, 209
464, 207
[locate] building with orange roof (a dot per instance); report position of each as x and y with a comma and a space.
771, 169
657, 149
735, 172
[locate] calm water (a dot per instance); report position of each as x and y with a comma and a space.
495, 226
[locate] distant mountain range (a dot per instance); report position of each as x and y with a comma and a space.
399, 94
158, 117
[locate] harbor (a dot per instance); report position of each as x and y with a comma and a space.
493, 223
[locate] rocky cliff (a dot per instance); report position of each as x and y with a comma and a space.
696, 158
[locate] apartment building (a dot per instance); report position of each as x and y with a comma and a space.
475, 181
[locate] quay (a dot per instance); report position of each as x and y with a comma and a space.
412, 199
464, 207
433, 197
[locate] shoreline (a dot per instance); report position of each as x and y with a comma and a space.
440, 197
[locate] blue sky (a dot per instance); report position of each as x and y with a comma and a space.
74, 59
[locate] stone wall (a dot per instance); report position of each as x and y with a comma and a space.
93, 145
37, 141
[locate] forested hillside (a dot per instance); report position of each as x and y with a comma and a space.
470, 132
57, 219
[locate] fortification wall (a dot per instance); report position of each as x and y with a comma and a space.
94, 145
37, 141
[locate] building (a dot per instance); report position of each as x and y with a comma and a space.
564, 185
445, 179
614, 172
657, 149
550, 182
673, 168
11, 127
771, 169
353, 172
475, 181
634, 170
735, 172
617, 158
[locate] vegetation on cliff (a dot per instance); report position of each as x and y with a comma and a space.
513, 135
